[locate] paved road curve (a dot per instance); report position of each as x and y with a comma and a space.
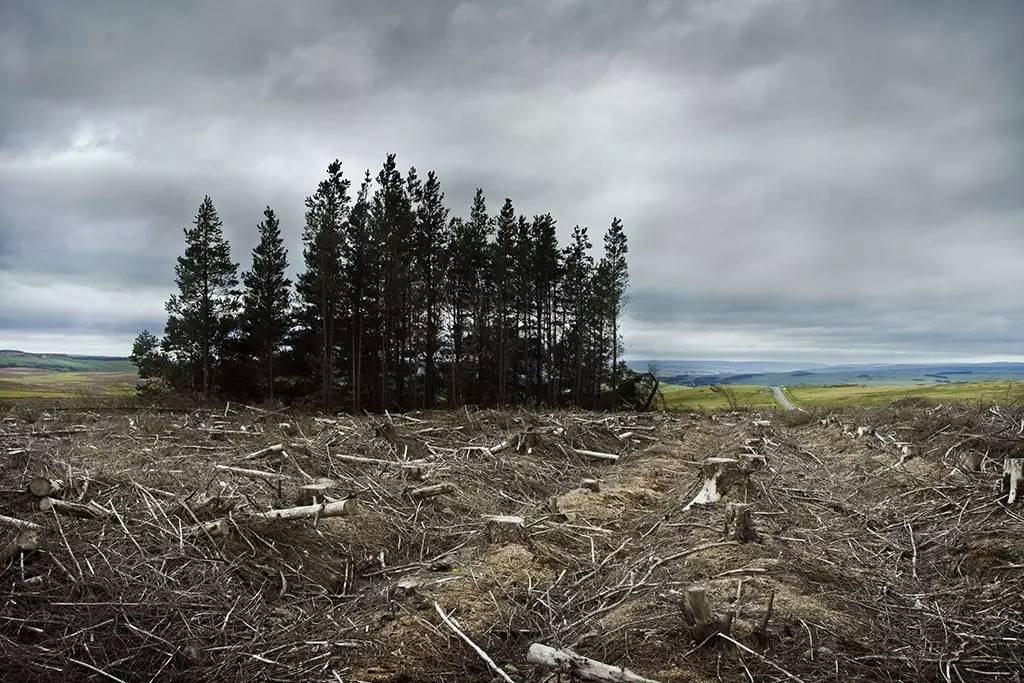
782, 399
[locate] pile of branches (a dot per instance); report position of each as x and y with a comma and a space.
245, 544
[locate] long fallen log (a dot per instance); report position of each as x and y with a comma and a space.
597, 455
432, 490
339, 508
66, 507
276, 448
583, 668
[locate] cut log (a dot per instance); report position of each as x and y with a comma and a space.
18, 523
25, 541
64, 507
258, 474
340, 508
737, 516
276, 448
1013, 474
720, 474
41, 487
432, 490
500, 447
506, 529
597, 455
582, 668
702, 620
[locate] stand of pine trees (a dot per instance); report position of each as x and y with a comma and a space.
398, 306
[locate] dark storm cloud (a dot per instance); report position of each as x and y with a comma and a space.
799, 179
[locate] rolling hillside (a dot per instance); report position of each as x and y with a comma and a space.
63, 362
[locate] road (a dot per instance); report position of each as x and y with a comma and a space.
783, 400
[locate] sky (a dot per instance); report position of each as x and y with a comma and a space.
817, 180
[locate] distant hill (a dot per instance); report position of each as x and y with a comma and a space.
703, 373
61, 362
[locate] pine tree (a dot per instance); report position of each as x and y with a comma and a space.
430, 259
146, 355
360, 265
201, 317
578, 298
265, 304
503, 268
616, 280
319, 287
545, 268
467, 273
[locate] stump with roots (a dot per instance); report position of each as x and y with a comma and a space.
1013, 475
699, 617
738, 517
720, 475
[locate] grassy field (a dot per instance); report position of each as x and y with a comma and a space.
52, 384
1004, 393
59, 361
703, 398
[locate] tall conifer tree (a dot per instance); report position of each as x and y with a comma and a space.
202, 315
265, 304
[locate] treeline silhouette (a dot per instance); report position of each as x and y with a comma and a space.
399, 306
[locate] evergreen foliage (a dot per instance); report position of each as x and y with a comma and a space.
401, 306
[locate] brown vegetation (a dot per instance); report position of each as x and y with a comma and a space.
250, 545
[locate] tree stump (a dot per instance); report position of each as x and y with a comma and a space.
504, 529
737, 516
41, 487
1013, 473
702, 621
720, 475
25, 541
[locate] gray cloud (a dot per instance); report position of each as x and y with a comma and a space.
799, 179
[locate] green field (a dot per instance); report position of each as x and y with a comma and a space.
52, 384
703, 398
60, 361
1004, 393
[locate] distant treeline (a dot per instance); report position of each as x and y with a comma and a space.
399, 306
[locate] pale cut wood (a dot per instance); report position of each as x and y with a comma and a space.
703, 621
719, 475
276, 448
1013, 474
582, 668
597, 455
65, 507
259, 474
339, 508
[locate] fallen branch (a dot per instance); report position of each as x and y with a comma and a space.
596, 454
450, 623
583, 668
65, 507
18, 523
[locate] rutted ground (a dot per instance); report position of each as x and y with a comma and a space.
884, 564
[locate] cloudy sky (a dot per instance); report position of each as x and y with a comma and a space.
799, 179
